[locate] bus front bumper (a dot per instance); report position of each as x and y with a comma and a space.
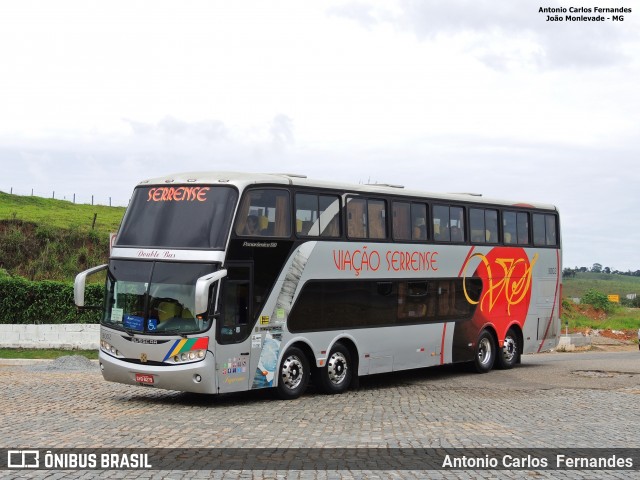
197, 377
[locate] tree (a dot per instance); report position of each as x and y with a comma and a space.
597, 300
597, 268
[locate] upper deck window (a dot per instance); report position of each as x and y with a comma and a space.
317, 215
484, 225
264, 213
178, 216
515, 228
409, 221
448, 223
544, 230
366, 218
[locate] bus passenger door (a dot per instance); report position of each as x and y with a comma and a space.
234, 329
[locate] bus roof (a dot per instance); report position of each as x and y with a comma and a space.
243, 179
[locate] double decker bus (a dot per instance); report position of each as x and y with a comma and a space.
221, 282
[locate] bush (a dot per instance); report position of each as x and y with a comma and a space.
597, 300
23, 302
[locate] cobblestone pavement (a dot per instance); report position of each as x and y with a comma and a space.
580, 400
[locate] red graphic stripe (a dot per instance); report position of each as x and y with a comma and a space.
464, 264
444, 332
201, 344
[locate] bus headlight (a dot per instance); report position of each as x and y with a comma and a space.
191, 356
109, 348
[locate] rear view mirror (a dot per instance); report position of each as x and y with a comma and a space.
80, 283
202, 290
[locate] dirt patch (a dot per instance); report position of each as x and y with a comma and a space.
604, 374
614, 347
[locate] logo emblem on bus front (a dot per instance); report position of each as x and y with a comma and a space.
143, 357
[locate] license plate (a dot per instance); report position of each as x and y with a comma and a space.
144, 378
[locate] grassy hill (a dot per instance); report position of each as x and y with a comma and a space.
581, 317
53, 239
575, 287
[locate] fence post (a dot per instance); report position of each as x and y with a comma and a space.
95, 215
91, 199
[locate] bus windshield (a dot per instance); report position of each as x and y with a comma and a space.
154, 297
193, 216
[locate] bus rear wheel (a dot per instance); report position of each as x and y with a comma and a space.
509, 354
293, 374
485, 353
336, 376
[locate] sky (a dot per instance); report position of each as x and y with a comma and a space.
482, 96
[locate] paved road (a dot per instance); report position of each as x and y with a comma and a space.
577, 400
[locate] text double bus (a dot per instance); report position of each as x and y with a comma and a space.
222, 282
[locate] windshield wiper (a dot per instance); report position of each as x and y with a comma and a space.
173, 331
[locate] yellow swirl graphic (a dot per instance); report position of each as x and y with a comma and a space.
511, 283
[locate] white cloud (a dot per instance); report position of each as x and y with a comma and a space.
479, 96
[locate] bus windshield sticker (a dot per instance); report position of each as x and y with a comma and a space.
116, 315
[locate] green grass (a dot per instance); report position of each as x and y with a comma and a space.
50, 354
609, 284
47, 239
583, 316
608, 324
48, 212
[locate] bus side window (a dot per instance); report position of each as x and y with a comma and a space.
544, 230
448, 223
264, 212
552, 238
317, 215
377, 219
401, 220
409, 221
476, 224
539, 234
441, 230
329, 215
457, 224
356, 218
491, 226
484, 225
509, 229
419, 221
523, 228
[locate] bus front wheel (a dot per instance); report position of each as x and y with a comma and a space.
485, 353
336, 375
294, 374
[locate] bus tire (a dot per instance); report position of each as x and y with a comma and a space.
335, 376
509, 354
485, 352
293, 374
